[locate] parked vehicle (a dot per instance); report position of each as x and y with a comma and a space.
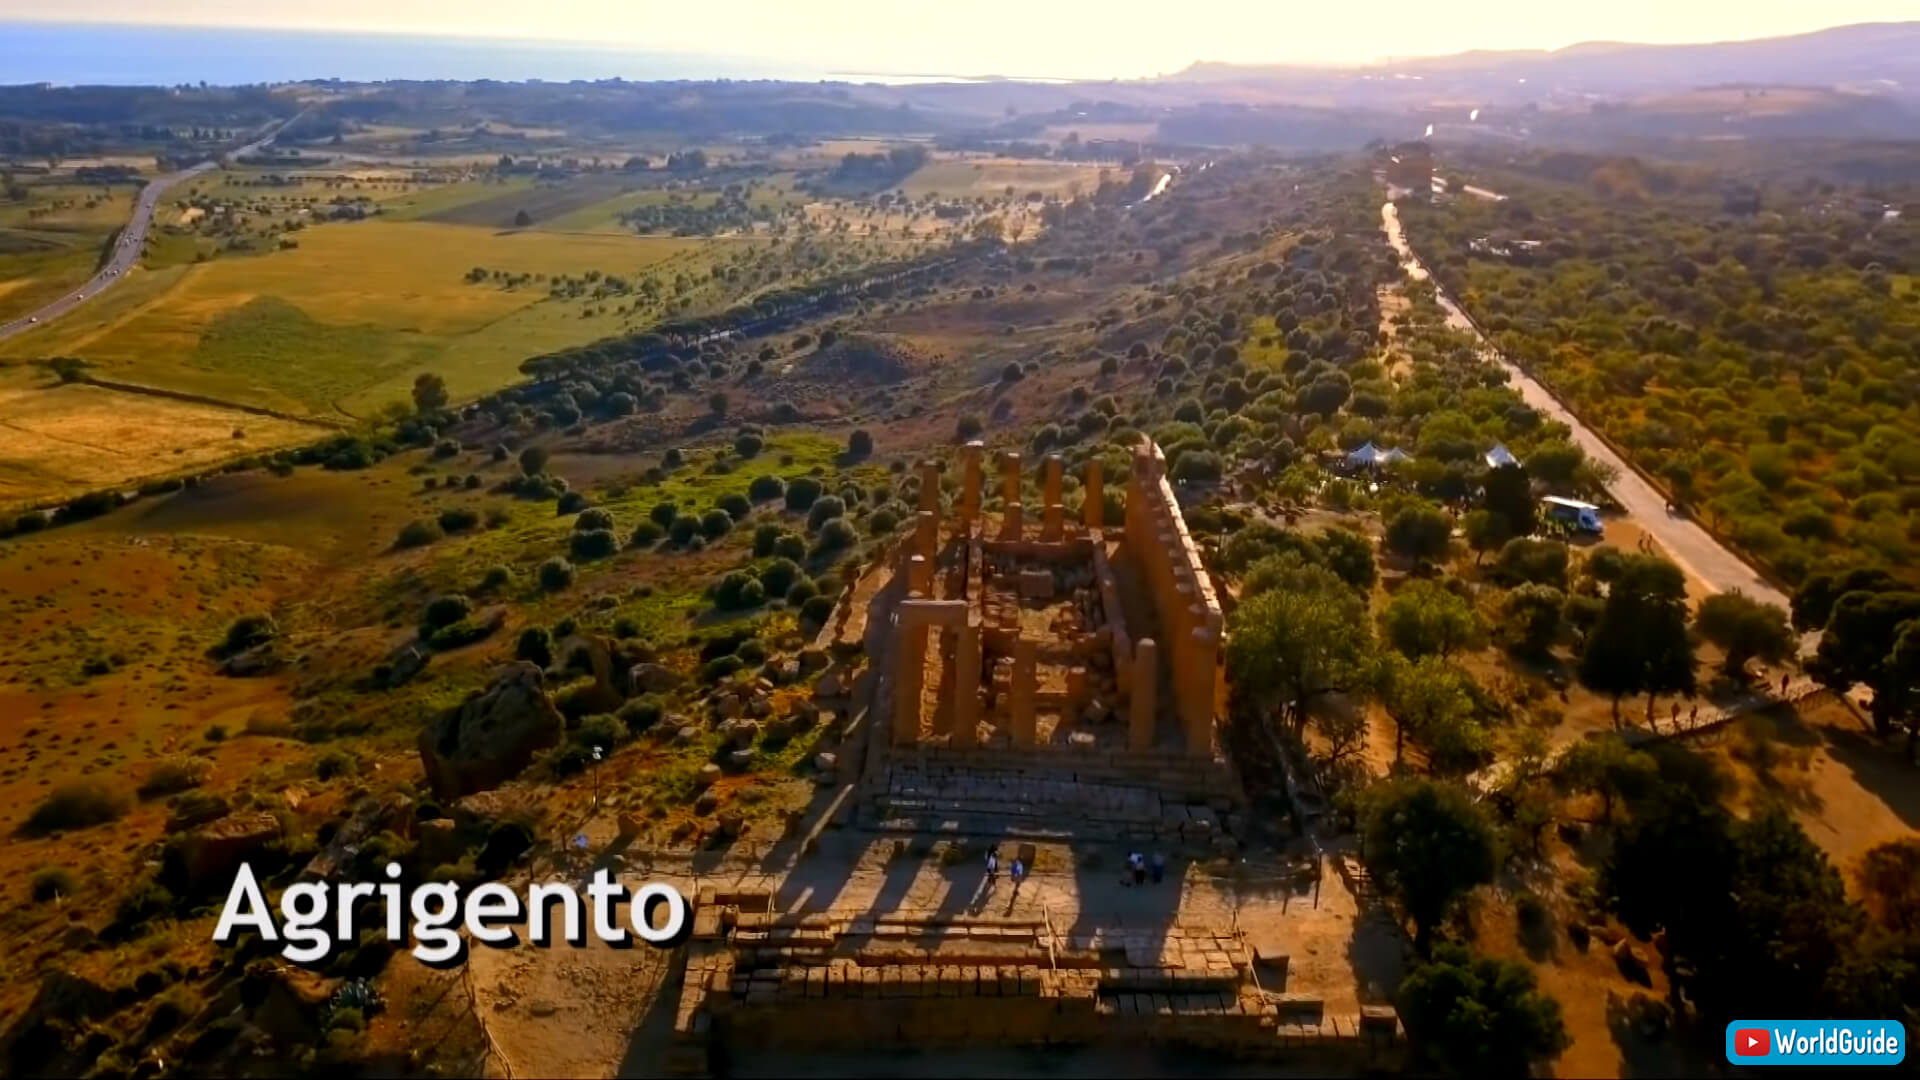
1583, 516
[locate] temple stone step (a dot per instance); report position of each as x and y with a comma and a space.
992, 826
970, 807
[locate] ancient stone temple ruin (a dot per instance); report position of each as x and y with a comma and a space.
1024, 642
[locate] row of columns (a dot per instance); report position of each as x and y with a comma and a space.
1189, 613
1013, 517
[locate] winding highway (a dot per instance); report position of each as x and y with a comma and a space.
130, 243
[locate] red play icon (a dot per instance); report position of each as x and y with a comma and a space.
1752, 1042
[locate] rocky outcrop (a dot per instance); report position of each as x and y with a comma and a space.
653, 678
44, 1040
405, 662
262, 659
493, 736
211, 853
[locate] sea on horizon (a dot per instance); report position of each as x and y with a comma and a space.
103, 54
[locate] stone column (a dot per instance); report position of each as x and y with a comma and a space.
1146, 674
966, 689
1012, 521
926, 534
919, 576
1010, 477
1093, 512
909, 672
930, 486
1026, 654
1052, 470
1053, 522
1197, 700
970, 484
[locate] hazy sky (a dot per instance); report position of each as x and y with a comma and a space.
1034, 37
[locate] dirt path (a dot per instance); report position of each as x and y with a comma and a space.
562, 1011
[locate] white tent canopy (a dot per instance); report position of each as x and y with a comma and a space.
1371, 455
1499, 456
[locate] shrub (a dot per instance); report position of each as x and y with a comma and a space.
860, 443
715, 523
76, 805
53, 882
719, 668
837, 534
444, 611
824, 509
642, 713
506, 841
752, 652
764, 537
747, 444
802, 492
464, 632
174, 774
556, 574
736, 505
335, 763
647, 534
457, 519
739, 591
881, 523
801, 591
664, 514
603, 732
779, 576
245, 632
535, 645
968, 426
533, 460
684, 530
571, 502
790, 546
593, 518
496, 577
473, 481
765, 488
817, 610
417, 533
592, 544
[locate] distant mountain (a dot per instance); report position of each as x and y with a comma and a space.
1882, 58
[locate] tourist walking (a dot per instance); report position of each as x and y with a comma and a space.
1019, 873
1139, 863
1159, 868
993, 861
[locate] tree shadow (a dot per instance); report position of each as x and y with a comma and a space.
1878, 767
652, 1038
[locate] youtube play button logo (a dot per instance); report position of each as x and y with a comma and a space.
1752, 1042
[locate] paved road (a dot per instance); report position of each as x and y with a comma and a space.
128, 247
1685, 541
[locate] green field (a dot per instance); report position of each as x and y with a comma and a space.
353, 313
50, 241
958, 177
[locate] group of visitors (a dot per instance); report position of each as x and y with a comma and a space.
1017, 870
1139, 866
